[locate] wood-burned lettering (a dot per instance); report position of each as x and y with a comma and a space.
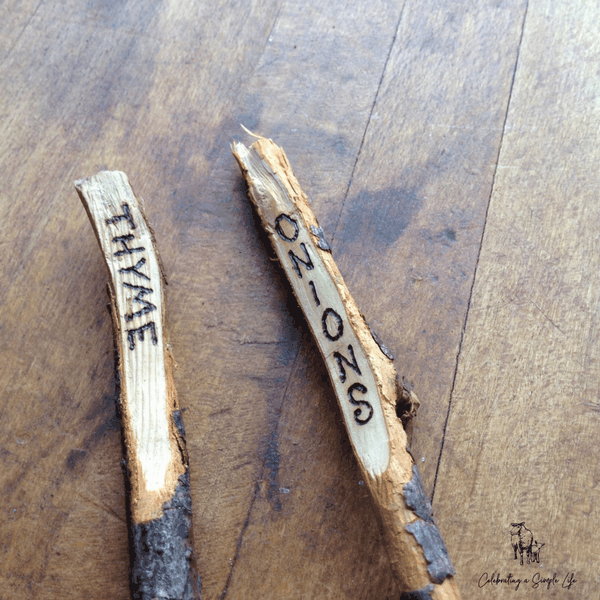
123, 240
140, 332
338, 324
358, 415
313, 289
152, 428
279, 228
135, 270
332, 323
361, 372
341, 359
297, 261
125, 216
147, 306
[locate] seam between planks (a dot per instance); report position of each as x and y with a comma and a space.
10, 50
267, 41
238, 546
487, 210
293, 369
362, 141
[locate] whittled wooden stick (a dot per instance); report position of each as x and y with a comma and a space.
156, 459
361, 371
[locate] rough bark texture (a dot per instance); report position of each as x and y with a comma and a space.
450, 150
363, 376
156, 462
162, 551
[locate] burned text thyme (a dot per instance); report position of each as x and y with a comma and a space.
126, 245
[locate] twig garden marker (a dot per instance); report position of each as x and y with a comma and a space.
153, 435
361, 371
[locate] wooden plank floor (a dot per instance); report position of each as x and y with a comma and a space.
449, 150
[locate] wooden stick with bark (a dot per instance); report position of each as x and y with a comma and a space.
361, 370
159, 510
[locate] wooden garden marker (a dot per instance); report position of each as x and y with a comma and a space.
361, 371
157, 465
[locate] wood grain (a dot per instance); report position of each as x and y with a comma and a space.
397, 111
366, 384
427, 163
147, 395
525, 406
16, 18
95, 74
156, 463
410, 85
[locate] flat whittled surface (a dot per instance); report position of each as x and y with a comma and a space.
449, 151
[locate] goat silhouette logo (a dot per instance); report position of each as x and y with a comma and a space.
530, 577
522, 541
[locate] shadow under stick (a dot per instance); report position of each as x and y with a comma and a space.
362, 373
153, 436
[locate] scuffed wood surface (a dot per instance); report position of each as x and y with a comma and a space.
529, 368
407, 120
361, 371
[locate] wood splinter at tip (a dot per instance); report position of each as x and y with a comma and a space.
160, 525
362, 373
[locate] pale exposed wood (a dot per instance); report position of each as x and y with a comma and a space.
324, 300
250, 348
427, 163
158, 89
147, 394
153, 435
522, 440
356, 365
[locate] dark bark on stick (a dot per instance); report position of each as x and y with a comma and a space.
156, 462
361, 371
